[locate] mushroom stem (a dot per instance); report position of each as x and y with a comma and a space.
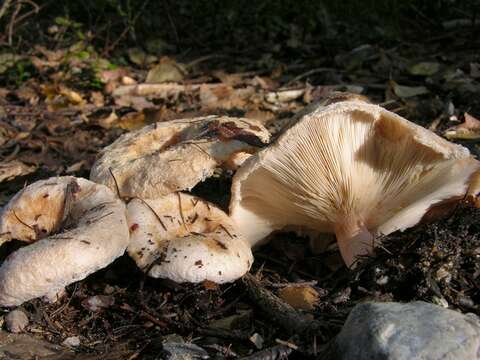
353, 239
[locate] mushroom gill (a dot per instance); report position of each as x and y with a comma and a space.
349, 168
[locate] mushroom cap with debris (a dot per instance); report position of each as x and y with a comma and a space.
351, 168
186, 239
171, 156
73, 226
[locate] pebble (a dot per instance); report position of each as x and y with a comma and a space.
16, 321
417, 330
72, 341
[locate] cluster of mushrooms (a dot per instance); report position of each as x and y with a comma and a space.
346, 167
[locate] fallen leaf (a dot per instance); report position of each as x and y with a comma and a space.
8, 60
210, 285
139, 57
424, 68
11, 169
97, 98
260, 115
132, 121
158, 46
468, 130
223, 97
138, 103
300, 297
166, 71
403, 91
228, 79
109, 121
241, 320
28, 94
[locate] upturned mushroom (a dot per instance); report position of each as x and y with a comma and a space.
186, 239
350, 168
163, 158
73, 228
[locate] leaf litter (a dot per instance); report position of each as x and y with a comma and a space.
77, 102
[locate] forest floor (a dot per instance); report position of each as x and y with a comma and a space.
60, 105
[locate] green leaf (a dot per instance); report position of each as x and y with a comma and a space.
403, 91
424, 68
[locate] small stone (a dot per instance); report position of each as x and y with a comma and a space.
98, 302
28, 347
299, 297
183, 351
417, 330
16, 321
257, 340
72, 341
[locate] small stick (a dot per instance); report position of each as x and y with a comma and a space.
116, 183
225, 229
275, 308
181, 211
154, 213
22, 222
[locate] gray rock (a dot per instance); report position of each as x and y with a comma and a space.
417, 330
184, 351
27, 347
16, 321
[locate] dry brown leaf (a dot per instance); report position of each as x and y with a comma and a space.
468, 130
11, 169
300, 297
109, 121
228, 79
27, 94
136, 102
260, 115
97, 98
132, 121
224, 97
210, 285
166, 71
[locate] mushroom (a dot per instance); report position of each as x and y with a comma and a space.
73, 227
186, 239
176, 155
350, 168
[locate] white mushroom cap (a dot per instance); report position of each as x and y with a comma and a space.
76, 227
186, 239
176, 155
351, 168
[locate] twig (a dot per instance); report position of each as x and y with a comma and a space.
172, 24
125, 31
115, 181
5, 7
154, 213
181, 211
12, 21
310, 72
22, 222
278, 310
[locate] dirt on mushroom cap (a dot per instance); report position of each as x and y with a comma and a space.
172, 156
81, 228
186, 239
348, 162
